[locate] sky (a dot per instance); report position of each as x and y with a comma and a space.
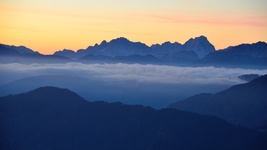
50, 25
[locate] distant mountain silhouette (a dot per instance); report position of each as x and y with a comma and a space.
53, 118
107, 50
200, 45
19, 49
244, 55
118, 47
8, 51
67, 53
166, 49
195, 52
21, 54
244, 104
168, 52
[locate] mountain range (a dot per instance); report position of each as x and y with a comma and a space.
244, 104
21, 54
122, 47
195, 52
54, 118
244, 56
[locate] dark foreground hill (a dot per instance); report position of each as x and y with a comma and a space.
53, 118
244, 104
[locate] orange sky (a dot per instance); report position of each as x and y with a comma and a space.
48, 26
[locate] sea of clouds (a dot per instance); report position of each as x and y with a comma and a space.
150, 85
137, 72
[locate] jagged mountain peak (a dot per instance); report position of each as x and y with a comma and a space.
261, 42
104, 42
202, 37
167, 43
170, 43
200, 45
197, 40
120, 40
67, 50
66, 53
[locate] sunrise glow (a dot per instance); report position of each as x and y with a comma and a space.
48, 26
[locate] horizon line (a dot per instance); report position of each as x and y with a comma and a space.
108, 41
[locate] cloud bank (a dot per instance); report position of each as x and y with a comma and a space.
130, 72
150, 85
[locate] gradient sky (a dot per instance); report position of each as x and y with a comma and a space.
50, 25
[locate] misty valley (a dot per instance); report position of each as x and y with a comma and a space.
127, 95
149, 85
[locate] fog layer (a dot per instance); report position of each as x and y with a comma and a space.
151, 85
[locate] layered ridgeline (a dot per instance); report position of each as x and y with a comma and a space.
21, 54
53, 118
199, 46
244, 56
244, 104
196, 52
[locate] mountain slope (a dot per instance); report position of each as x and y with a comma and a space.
244, 55
166, 48
118, 47
19, 49
52, 118
7, 51
200, 45
21, 54
67, 53
244, 104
